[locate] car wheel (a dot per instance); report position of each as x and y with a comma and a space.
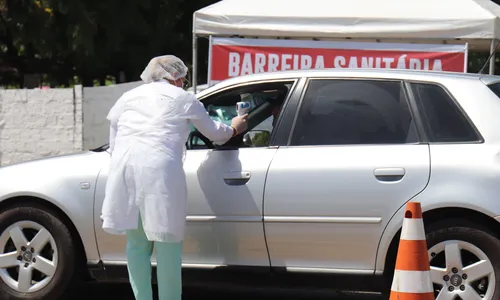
37, 256
464, 260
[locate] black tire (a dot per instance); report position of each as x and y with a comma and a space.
66, 265
463, 230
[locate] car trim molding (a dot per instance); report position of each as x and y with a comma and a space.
300, 219
329, 271
285, 219
224, 218
154, 264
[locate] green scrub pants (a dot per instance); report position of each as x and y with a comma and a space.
168, 270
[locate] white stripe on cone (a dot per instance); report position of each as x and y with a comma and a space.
413, 230
412, 282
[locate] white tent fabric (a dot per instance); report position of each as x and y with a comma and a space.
356, 19
476, 22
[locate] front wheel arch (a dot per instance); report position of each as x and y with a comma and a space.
29, 201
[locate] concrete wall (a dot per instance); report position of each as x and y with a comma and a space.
96, 105
38, 123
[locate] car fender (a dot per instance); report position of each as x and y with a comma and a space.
55, 181
428, 203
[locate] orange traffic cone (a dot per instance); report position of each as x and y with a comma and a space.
412, 276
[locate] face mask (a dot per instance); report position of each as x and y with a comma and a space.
178, 83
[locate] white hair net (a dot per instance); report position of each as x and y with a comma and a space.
161, 67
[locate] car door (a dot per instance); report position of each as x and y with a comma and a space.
225, 186
352, 160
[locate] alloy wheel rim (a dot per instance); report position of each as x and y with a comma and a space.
460, 270
28, 256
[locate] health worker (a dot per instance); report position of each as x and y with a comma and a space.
146, 194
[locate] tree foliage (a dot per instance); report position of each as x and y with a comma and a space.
90, 41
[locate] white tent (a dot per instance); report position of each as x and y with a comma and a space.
476, 22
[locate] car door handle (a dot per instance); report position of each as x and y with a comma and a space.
237, 178
389, 174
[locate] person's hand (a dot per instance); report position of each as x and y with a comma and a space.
240, 123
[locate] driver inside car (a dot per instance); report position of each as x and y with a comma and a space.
276, 112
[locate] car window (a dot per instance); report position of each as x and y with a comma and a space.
265, 100
445, 122
495, 88
343, 112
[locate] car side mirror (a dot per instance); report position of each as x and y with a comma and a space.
247, 140
256, 138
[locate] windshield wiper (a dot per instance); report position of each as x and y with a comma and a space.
100, 148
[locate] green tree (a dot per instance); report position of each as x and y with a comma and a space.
91, 41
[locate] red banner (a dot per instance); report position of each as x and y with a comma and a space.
236, 57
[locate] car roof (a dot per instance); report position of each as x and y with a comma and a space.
370, 73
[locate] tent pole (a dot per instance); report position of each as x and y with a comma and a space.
195, 62
492, 56
209, 76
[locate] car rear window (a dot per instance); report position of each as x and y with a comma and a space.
446, 123
495, 88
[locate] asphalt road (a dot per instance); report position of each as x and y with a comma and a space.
122, 291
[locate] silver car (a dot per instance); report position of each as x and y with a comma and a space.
315, 189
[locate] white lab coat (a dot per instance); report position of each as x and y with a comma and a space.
149, 128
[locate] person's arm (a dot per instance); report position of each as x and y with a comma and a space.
215, 131
113, 116
112, 135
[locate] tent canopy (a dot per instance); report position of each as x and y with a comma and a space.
425, 21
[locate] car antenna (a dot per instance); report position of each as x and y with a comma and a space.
489, 58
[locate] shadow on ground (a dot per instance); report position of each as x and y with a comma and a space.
122, 291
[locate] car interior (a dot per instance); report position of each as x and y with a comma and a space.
264, 98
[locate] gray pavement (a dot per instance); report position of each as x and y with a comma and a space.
122, 291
